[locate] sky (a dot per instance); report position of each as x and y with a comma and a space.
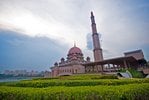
34, 34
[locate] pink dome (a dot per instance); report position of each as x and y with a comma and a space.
75, 50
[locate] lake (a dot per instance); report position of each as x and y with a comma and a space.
11, 79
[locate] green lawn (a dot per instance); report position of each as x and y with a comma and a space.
80, 87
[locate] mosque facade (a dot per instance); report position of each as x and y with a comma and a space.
76, 64
72, 65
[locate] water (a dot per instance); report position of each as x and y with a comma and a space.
11, 79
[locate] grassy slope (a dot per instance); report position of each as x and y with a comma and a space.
81, 87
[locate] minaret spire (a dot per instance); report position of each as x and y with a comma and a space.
98, 56
94, 30
74, 43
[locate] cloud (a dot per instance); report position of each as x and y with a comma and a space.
123, 25
24, 52
43, 18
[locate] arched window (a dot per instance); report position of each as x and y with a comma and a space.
75, 70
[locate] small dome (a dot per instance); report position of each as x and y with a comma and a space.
74, 50
55, 64
88, 59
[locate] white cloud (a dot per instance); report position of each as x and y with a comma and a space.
120, 22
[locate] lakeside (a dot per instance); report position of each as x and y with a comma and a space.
13, 79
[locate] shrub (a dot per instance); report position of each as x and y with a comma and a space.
87, 76
135, 73
121, 92
81, 87
49, 83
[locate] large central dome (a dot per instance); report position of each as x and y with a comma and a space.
75, 54
75, 50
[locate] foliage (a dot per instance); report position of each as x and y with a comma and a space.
123, 92
81, 77
122, 70
49, 83
135, 73
88, 76
81, 87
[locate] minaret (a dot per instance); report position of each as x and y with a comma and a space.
98, 56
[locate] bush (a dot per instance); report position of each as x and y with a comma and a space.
49, 83
81, 87
121, 92
87, 76
135, 73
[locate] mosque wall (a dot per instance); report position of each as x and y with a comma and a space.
68, 70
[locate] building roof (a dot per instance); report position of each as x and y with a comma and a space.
75, 50
136, 51
117, 60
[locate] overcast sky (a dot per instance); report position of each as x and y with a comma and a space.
34, 34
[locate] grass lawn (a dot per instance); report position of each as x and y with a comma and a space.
79, 87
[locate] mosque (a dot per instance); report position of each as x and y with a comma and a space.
76, 64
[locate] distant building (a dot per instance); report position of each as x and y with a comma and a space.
47, 74
23, 73
76, 64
